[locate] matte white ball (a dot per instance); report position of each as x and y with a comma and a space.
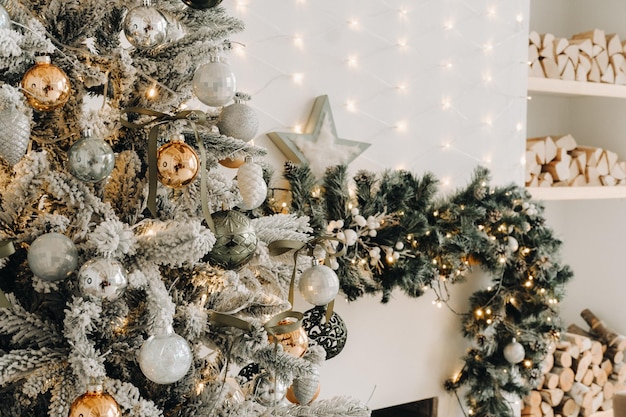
514, 352
102, 278
319, 285
165, 358
5, 19
214, 83
52, 257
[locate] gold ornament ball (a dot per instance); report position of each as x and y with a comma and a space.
232, 163
177, 164
46, 86
95, 404
286, 329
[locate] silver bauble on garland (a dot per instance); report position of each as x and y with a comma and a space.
214, 83
238, 120
102, 278
5, 19
235, 239
514, 352
304, 391
266, 389
91, 159
251, 184
15, 118
145, 27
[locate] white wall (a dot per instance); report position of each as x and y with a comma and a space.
463, 68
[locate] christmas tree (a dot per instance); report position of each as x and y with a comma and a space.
141, 280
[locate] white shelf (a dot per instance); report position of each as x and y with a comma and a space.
577, 193
575, 88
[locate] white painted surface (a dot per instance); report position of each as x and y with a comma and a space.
464, 104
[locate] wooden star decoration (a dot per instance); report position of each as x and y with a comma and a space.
319, 146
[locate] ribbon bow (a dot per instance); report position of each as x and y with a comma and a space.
194, 117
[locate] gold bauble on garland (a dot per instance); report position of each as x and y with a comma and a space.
235, 239
46, 86
95, 404
177, 163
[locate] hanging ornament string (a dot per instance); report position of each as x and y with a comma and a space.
193, 117
6, 248
280, 247
221, 319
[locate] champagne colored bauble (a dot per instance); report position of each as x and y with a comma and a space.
319, 285
286, 329
91, 159
251, 185
232, 163
214, 83
145, 27
15, 128
202, 4
95, 404
266, 389
46, 86
514, 352
234, 393
177, 164
102, 278
165, 358
303, 391
5, 19
238, 120
331, 335
235, 239
52, 257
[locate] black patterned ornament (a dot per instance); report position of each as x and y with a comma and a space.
202, 4
331, 334
249, 371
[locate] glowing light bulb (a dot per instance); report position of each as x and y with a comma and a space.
487, 78
353, 23
488, 47
519, 126
152, 92
519, 18
297, 78
448, 24
446, 104
402, 43
491, 12
479, 313
445, 181
351, 106
403, 12
401, 126
402, 88
297, 129
298, 41
353, 61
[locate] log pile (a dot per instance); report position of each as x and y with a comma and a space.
581, 374
589, 56
553, 161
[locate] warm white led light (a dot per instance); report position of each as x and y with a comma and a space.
353, 61
297, 78
298, 41
297, 128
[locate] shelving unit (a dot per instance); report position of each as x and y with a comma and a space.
564, 88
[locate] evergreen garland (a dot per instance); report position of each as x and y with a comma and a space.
399, 234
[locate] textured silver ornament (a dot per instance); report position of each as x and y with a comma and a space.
239, 121
15, 128
305, 390
251, 185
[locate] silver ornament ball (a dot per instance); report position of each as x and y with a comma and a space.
235, 239
239, 121
266, 389
145, 27
15, 128
319, 285
91, 159
5, 19
214, 83
52, 257
514, 352
165, 358
102, 278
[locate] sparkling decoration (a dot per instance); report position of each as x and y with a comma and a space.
165, 358
91, 159
319, 284
15, 127
202, 4
251, 184
514, 352
52, 257
238, 120
304, 391
294, 341
235, 239
5, 19
46, 86
232, 163
331, 335
177, 163
102, 278
214, 83
266, 389
95, 404
145, 27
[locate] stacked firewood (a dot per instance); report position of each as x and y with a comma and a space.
560, 161
582, 374
589, 56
